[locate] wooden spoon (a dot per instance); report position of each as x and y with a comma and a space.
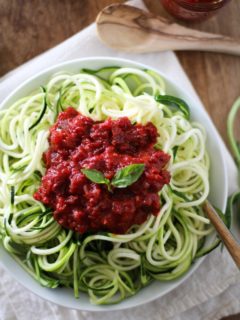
128, 28
230, 243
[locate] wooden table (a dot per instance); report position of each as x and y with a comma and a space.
28, 28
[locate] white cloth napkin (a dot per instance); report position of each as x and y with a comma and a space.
210, 293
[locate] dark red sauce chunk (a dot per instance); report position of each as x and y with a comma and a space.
78, 142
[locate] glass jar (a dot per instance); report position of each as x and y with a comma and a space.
193, 10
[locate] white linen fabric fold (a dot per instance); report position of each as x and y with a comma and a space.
210, 293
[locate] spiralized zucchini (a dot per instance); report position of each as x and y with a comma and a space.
107, 266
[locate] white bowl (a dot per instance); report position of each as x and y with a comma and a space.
218, 187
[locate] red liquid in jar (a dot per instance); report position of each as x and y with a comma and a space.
193, 10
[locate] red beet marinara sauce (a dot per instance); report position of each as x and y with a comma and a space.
78, 142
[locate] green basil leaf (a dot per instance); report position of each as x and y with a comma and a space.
95, 176
127, 175
175, 104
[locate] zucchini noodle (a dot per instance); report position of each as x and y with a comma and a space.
108, 267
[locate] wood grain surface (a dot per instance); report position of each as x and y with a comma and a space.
29, 27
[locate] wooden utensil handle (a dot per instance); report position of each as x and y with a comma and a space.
231, 244
178, 37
